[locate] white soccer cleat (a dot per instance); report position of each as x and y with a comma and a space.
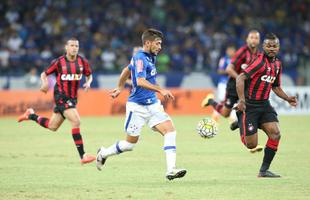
100, 160
175, 173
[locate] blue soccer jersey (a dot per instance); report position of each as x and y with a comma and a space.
223, 63
142, 65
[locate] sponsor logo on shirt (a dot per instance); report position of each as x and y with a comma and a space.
269, 79
71, 77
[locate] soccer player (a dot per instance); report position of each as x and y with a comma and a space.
239, 62
223, 78
143, 106
69, 70
254, 109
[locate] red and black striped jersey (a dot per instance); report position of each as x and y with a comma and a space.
242, 58
68, 74
263, 74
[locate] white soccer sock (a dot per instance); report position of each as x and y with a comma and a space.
117, 148
170, 150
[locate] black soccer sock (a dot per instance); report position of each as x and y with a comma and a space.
268, 157
78, 141
42, 121
213, 103
33, 117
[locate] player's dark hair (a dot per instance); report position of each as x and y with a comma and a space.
271, 36
151, 34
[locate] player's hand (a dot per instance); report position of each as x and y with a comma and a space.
167, 94
115, 92
241, 106
86, 86
292, 100
44, 87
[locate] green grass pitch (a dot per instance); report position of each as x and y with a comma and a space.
38, 164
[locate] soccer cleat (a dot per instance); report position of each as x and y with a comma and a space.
205, 102
100, 159
268, 174
87, 159
258, 148
175, 173
26, 114
234, 125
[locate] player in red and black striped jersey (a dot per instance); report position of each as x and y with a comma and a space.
68, 70
254, 109
239, 62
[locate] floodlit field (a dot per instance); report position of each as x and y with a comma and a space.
38, 164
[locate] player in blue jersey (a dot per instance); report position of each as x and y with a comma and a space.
143, 106
223, 78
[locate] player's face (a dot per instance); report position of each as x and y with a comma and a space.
155, 46
230, 51
72, 47
253, 39
271, 47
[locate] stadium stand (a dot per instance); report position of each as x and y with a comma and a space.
196, 32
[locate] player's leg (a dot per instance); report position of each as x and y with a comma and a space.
161, 122
248, 123
52, 124
133, 125
220, 93
167, 129
273, 132
74, 118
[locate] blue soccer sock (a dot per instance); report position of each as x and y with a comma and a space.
118, 147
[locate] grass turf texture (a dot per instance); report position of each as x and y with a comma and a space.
38, 164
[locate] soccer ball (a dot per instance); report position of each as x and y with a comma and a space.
207, 128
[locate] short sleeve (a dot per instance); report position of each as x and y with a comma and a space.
255, 67
140, 67
87, 70
277, 82
240, 54
222, 64
52, 68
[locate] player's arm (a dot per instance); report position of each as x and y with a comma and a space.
49, 70
292, 100
44, 82
142, 82
240, 90
89, 80
221, 68
121, 83
230, 70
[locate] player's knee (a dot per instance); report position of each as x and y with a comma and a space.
226, 114
251, 145
53, 128
76, 123
276, 136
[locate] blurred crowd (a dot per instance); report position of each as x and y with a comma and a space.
33, 32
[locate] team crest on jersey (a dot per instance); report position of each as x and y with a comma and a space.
153, 72
71, 77
244, 66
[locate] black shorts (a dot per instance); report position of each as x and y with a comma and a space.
254, 116
231, 94
62, 103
